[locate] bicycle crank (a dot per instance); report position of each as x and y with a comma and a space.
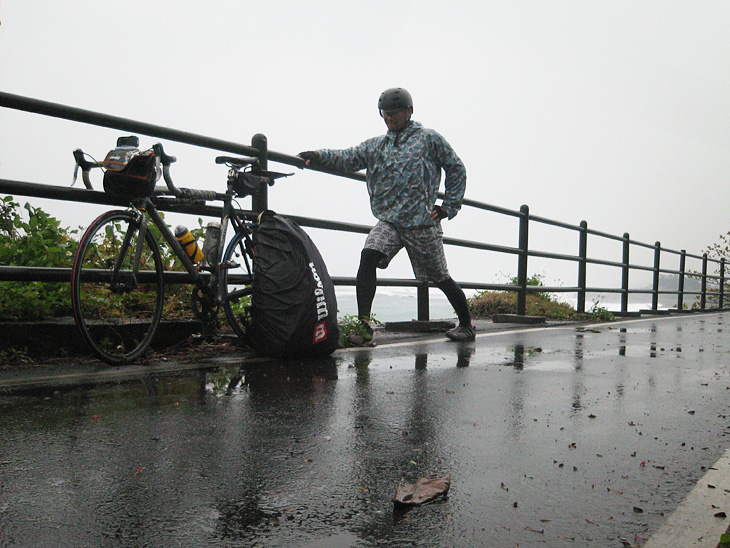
204, 306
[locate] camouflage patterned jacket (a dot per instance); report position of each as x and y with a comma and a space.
404, 174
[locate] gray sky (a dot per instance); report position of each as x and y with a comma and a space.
615, 112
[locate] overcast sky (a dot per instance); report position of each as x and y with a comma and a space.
613, 112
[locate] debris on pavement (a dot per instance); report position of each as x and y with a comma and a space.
423, 491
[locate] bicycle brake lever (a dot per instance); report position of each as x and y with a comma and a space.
165, 159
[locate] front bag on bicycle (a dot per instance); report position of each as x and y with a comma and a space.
293, 304
130, 173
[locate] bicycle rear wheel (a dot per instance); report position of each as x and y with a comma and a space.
117, 313
236, 280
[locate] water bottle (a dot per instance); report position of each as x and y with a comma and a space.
210, 245
188, 243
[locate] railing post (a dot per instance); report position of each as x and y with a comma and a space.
721, 295
522, 263
703, 289
625, 273
260, 200
422, 298
680, 281
655, 285
582, 266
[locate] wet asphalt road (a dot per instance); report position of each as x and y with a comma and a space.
553, 437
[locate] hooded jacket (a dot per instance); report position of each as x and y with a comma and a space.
404, 174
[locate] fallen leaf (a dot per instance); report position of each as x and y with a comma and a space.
423, 491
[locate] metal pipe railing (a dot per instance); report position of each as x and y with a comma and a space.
259, 148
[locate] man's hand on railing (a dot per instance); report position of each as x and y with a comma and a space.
309, 157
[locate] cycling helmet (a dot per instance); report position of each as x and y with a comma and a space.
395, 99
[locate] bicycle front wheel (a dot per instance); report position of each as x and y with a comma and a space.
117, 305
236, 279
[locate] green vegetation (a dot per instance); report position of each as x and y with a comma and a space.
488, 303
33, 238
718, 250
13, 356
351, 325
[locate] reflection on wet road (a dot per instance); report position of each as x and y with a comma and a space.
562, 437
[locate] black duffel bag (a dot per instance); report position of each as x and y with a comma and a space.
293, 304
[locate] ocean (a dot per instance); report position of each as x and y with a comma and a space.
395, 304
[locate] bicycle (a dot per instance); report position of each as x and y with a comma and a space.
118, 276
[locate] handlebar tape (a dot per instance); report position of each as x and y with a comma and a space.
197, 193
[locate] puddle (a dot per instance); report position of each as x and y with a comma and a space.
340, 540
551, 366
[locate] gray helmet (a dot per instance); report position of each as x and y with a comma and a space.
395, 99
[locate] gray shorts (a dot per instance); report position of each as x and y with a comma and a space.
425, 247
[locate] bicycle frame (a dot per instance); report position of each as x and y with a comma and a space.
229, 216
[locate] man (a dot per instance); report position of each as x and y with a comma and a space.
403, 177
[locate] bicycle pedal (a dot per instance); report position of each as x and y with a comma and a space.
230, 264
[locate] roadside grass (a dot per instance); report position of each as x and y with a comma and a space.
486, 304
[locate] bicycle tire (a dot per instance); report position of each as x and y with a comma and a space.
117, 317
235, 295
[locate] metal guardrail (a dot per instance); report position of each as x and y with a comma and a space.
259, 148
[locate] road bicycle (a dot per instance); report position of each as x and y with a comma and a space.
118, 274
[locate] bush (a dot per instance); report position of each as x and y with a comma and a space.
350, 325
38, 241
41, 241
489, 303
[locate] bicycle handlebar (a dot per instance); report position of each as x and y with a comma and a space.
201, 194
166, 160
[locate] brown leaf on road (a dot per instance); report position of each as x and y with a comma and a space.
423, 491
